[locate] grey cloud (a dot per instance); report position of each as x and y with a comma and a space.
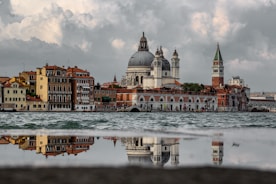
171, 20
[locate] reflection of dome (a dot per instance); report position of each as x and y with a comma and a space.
141, 58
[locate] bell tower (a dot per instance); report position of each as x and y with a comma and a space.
218, 69
175, 65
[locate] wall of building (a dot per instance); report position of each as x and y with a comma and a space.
15, 95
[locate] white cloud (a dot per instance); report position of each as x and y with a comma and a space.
85, 46
118, 43
200, 23
45, 27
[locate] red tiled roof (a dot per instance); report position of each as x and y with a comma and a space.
32, 98
54, 67
29, 72
4, 79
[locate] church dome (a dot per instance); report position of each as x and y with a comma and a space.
166, 65
141, 58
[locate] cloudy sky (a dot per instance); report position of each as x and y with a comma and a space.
101, 36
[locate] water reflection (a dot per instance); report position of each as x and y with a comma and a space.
152, 150
51, 145
146, 151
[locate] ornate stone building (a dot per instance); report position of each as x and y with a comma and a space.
150, 71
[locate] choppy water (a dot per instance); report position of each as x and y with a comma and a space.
135, 121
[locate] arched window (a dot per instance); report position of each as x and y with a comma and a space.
137, 79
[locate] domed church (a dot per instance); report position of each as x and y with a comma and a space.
151, 71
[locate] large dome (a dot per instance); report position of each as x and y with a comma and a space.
141, 58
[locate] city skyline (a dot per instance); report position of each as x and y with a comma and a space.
66, 34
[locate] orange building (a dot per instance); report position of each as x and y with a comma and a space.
54, 86
30, 80
105, 98
82, 89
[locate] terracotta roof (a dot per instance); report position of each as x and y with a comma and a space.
8, 84
30, 72
76, 69
4, 79
54, 67
177, 83
32, 98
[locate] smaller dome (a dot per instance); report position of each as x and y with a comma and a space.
166, 64
175, 53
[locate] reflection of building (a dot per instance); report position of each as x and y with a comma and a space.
29, 143
79, 144
152, 151
217, 152
55, 145
51, 145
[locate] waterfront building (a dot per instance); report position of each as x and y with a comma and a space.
2, 81
236, 81
113, 84
34, 103
231, 97
164, 100
30, 80
82, 89
105, 98
262, 102
1, 93
14, 95
54, 86
150, 71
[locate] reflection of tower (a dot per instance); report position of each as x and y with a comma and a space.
217, 147
152, 151
175, 153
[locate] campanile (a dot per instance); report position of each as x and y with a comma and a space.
218, 69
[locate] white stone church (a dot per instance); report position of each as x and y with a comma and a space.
150, 71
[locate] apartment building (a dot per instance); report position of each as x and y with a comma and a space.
34, 103
30, 80
14, 96
105, 98
54, 86
82, 89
